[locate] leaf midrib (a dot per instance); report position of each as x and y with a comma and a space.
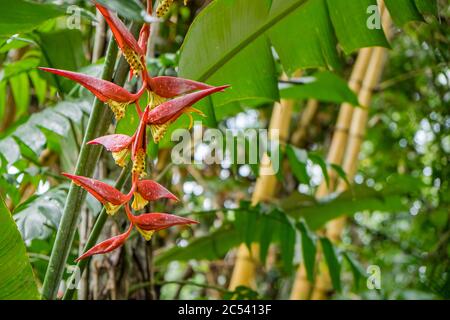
252, 37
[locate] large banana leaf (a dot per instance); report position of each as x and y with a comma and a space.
16, 276
304, 33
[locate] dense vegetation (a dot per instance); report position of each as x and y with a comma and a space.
393, 192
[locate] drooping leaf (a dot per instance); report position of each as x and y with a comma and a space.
16, 276
308, 242
20, 84
350, 20
356, 268
427, 7
265, 237
403, 11
245, 222
297, 159
333, 263
226, 33
315, 158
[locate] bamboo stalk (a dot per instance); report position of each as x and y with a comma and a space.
358, 130
307, 116
302, 288
355, 139
265, 188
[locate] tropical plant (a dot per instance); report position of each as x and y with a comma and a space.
125, 77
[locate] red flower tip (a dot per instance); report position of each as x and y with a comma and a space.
148, 190
107, 245
172, 109
113, 142
102, 89
148, 223
118, 144
131, 50
115, 96
160, 117
170, 87
109, 196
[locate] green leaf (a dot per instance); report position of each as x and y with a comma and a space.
317, 159
210, 247
38, 217
255, 80
427, 7
62, 49
287, 235
317, 213
303, 35
245, 222
308, 249
226, 48
20, 86
350, 22
16, 276
18, 67
24, 16
403, 11
2, 98
297, 159
357, 269
265, 237
42, 127
40, 86
324, 86
341, 173
331, 258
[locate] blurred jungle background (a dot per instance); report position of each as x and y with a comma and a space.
259, 237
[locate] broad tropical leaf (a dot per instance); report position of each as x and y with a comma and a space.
16, 276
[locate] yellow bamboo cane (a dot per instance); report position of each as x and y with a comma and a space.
356, 134
246, 261
307, 116
301, 289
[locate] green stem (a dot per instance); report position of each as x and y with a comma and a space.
99, 121
95, 233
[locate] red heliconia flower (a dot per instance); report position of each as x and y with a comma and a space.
148, 223
109, 196
148, 190
163, 115
115, 96
107, 245
170, 87
118, 144
131, 50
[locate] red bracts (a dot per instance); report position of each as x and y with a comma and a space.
110, 93
118, 144
148, 223
107, 245
109, 196
148, 190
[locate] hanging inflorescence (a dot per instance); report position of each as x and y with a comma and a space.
169, 98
